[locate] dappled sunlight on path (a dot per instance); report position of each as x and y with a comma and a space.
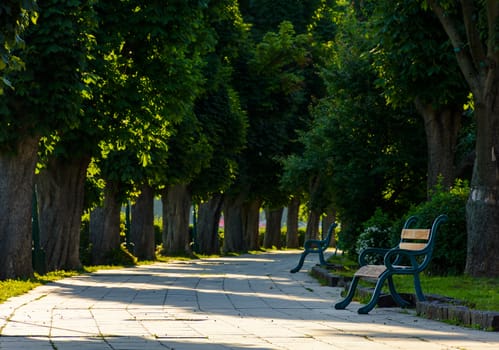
247, 302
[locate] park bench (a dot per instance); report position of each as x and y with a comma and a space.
410, 257
315, 246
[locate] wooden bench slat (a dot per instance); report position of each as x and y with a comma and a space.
415, 234
370, 271
412, 246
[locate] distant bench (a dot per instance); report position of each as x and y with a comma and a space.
410, 257
315, 246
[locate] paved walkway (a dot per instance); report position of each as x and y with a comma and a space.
247, 302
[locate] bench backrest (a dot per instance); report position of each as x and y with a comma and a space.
414, 239
420, 239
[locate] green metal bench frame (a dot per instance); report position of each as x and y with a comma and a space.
317, 247
416, 245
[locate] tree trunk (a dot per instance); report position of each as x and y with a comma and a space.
479, 63
16, 194
176, 212
312, 231
105, 226
251, 224
233, 224
272, 236
292, 224
142, 225
60, 191
442, 128
327, 220
208, 222
482, 209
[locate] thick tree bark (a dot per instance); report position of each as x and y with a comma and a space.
482, 209
16, 193
176, 212
442, 127
208, 222
313, 221
105, 226
272, 237
142, 225
327, 220
251, 224
233, 225
60, 190
479, 63
292, 224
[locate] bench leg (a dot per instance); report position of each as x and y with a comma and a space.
374, 298
417, 287
300, 263
348, 299
321, 258
395, 295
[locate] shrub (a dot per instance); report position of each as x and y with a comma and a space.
377, 233
449, 255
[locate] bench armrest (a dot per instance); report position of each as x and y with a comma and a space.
313, 243
394, 256
370, 251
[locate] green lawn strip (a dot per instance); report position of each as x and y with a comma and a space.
476, 293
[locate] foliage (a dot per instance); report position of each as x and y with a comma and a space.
15, 16
449, 255
414, 57
362, 151
273, 93
146, 76
223, 122
377, 233
267, 15
49, 91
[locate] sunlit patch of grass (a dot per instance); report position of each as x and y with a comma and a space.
14, 287
477, 293
166, 259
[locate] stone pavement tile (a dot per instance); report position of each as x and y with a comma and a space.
245, 302
193, 345
134, 343
302, 343
25, 343
241, 342
214, 302
23, 326
219, 328
80, 343
154, 297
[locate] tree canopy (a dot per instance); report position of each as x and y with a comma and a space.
344, 105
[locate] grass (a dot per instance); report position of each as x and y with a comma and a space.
10, 288
476, 293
